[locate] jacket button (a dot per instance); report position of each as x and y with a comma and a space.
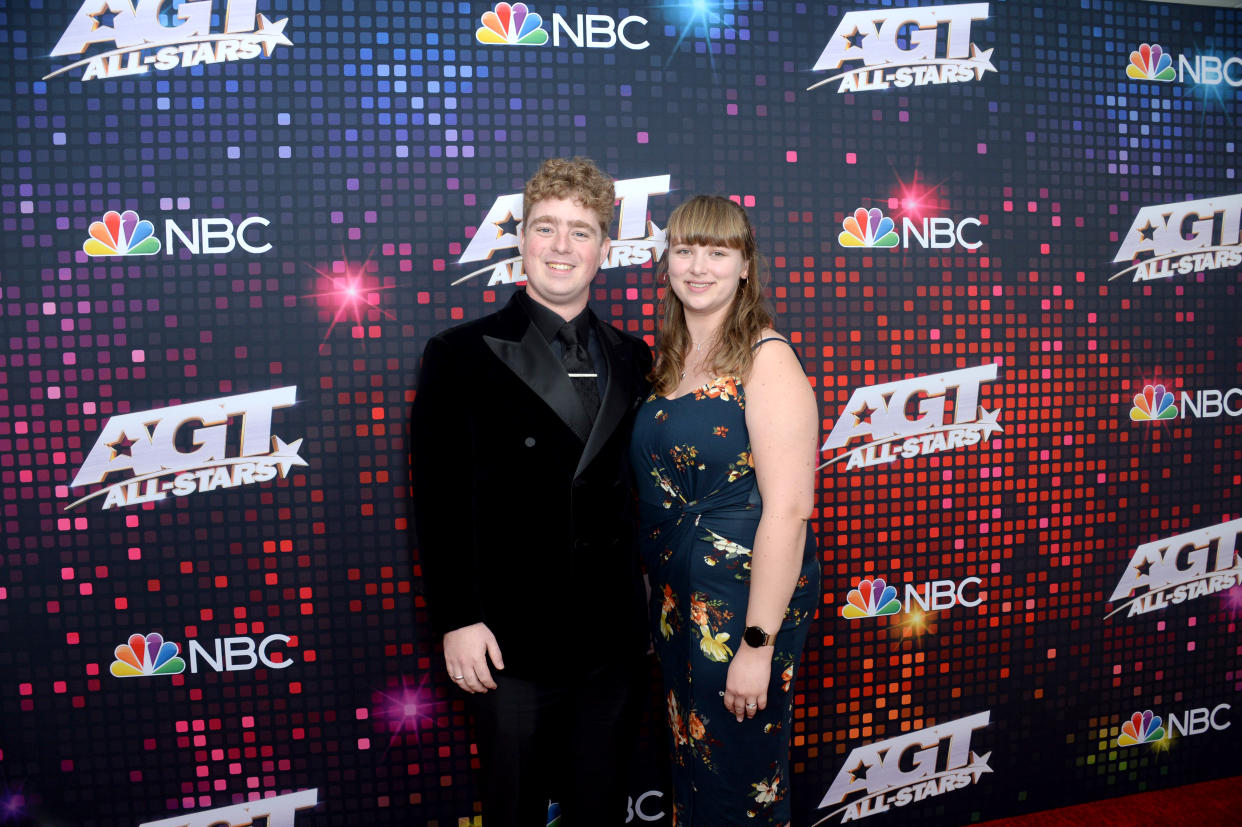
529, 442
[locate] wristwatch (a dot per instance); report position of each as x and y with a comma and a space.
756, 637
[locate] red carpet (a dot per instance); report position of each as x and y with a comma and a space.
1210, 804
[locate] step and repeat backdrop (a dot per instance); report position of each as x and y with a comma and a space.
1004, 237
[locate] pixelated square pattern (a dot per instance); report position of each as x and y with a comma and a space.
349, 156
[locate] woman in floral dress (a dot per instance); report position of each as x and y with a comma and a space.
725, 452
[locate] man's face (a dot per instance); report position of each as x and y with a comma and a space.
562, 249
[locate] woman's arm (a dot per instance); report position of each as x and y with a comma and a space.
783, 422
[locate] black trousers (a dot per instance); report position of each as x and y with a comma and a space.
569, 740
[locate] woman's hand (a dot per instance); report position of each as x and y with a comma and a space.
746, 687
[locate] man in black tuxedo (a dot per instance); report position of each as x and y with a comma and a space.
524, 511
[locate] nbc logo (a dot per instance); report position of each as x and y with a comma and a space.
511, 26
868, 228
517, 24
146, 656
121, 234
1142, 728
874, 597
1146, 727
1151, 63
1153, 403
872, 228
871, 598
125, 234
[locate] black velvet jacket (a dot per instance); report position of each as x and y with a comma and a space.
524, 511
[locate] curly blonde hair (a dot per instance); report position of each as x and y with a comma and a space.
575, 178
712, 221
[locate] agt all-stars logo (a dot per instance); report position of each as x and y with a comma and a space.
902, 47
872, 228
276, 811
875, 597
1151, 62
1186, 567
126, 234
637, 241
1170, 240
519, 25
1157, 404
159, 35
908, 769
189, 449
1146, 727
907, 418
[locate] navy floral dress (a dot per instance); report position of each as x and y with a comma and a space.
699, 508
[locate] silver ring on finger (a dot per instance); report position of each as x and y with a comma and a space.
751, 706
458, 677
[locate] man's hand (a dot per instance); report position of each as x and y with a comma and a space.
466, 651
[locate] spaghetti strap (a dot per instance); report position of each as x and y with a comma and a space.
755, 346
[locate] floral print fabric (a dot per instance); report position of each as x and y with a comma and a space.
700, 508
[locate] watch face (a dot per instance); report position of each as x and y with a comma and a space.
754, 636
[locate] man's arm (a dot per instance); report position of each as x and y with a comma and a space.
442, 456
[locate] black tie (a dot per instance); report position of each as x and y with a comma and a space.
577, 361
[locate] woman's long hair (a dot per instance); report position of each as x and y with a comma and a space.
711, 221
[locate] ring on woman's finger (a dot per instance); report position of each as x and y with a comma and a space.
751, 706
458, 677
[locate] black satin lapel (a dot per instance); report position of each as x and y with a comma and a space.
533, 361
616, 399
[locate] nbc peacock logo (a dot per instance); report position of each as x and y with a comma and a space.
1150, 62
1143, 728
121, 234
511, 25
868, 228
872, 597
143, 657
1152, 404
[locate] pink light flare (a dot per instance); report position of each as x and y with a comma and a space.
352, 291
404, 709
915, 199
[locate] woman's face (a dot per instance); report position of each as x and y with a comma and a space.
705, 278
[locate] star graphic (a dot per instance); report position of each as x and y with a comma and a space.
659, 238
978, 764
272, 34
286, 454
854, 38
508, 226
987, 419
860, 772
1144, 568
864, 413
103, 19
120, 447
1148, 232
982, 61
